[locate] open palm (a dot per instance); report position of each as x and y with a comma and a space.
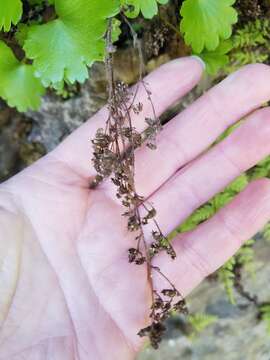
74, 295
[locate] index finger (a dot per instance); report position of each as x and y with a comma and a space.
167, 84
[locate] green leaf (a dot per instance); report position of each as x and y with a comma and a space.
63, 48
149, 8
116, 30
21, 33
217, 58
18, 85
205, 22
10, 13
40, 2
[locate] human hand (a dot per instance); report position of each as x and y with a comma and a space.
67, 289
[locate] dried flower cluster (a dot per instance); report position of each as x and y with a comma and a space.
114, 149
162, 306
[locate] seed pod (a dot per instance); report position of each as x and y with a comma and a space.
157, 304
157, 235
181, 307
151, 213
145, 331
170, 292
132, 253
141, 260
171, 252
144, 221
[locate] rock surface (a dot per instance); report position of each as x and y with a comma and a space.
15, 150
57, 118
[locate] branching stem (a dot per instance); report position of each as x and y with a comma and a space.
114, 156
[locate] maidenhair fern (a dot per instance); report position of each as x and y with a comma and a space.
148, 8
207, 25
18, 85
217, 58
206, 22
60, 48
10, 13
63, 48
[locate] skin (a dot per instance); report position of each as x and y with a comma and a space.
67, 289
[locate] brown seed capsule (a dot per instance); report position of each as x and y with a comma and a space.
157, 304
133, 223
145, 331
157, 235
126, 203
151, 213
151, 146
153, 249
141, 260
166, 308
181, 307
169, 292
115, 181
132, 253
171, 252
144, 221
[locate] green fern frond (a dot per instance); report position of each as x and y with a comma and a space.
266, 232
265, 315
251, 44
252, 34
262, 169
226, 277
200, 215
245, 257
238, 184
206, 211
200, 321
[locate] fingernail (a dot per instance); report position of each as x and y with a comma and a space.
200, 60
